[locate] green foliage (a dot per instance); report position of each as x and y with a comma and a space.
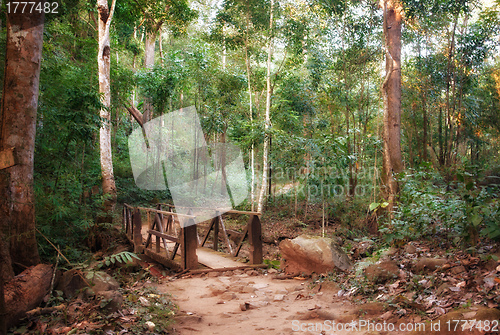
426, 208
121, 257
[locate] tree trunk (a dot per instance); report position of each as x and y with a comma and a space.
103, 62
250, 111
267, 124
149, 62
18, 129
392, 162
26, 291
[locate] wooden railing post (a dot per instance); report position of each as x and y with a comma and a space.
189, 244
255, 237
216, 231
136, 228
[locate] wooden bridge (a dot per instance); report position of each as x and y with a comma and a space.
158, 234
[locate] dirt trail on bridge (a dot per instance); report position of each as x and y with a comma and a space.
252, 302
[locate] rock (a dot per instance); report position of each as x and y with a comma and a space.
213, 274
111, 301
150, 325
228, 296
382, 272
101, 281
279, 297
429, 264
309, 254
247, 289
216, 290
71, 282
410, 249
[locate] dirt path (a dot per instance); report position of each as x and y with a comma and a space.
215, 305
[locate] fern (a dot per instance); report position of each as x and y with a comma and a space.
121, 257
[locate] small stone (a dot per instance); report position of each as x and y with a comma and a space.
213, 274
279, 297
227, 273
247, 289
272, 271
238, 272
151, 326
244, 306
228, 296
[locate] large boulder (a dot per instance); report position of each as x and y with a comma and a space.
308, 254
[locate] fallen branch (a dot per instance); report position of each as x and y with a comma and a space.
46, 310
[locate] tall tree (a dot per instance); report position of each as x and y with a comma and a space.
103, 62
391, 90
267, 120
18, 129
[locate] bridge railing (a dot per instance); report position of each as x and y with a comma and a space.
161, 226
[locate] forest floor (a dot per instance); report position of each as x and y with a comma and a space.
432, 283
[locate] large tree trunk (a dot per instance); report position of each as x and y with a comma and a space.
26, 291
103, 61
18, 129
267, 124
392, 162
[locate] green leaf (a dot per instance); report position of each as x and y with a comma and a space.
469, 186
384, 204
476, 220
374, 206
108, 263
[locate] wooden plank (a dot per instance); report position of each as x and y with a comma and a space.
163, 235
166, 213
163, 260
225, 235
205, 238
7, 158
137, 227
255, 237
241, 267
216, 233
215, 260
240, 243
189, 246
233, 211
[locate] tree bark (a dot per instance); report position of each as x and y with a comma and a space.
149, 62
18, 129
26, 291
392, 162
250, 111
267, 124
103, 61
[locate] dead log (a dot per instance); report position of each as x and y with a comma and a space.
26, 291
